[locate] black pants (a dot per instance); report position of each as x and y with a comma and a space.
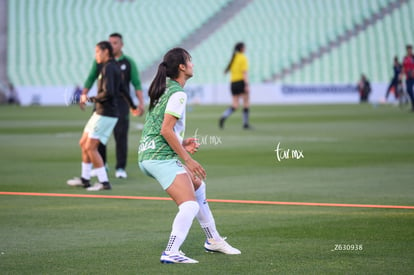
394, 83
410, 86
120, 135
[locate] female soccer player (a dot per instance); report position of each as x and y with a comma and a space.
160, 148
103, 120
238, 67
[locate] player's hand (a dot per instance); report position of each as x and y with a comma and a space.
196, 169
138, 111
82, 101
141, 107
135, 112
191, 145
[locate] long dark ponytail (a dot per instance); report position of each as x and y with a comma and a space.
167, 68
238, 48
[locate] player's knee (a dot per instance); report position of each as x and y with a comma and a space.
190, 207
90, 146
83, 140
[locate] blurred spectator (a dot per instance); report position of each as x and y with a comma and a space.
364, 89
397, 67
76, 94
13, 95
408, 71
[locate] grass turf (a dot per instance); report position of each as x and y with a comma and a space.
351, 154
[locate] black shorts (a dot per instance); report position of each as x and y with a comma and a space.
238, 87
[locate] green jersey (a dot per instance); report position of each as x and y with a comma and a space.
153, 145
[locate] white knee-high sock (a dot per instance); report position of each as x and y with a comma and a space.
86, 170
181, 225
101, 174
204, 215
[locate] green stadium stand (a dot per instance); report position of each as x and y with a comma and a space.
52, 42
280, 34
290, 41
370, 53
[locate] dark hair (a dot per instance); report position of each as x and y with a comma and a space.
238, 48
105, 45
409, 46
116, 34
167, 68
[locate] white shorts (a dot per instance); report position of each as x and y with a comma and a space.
164, 171
100, 127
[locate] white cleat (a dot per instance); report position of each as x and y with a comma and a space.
222, 246
176, 258
121, 174
75, 182
100, 186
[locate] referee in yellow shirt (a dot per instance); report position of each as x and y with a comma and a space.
238, 68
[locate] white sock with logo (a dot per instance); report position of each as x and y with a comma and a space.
204, 215
181, 225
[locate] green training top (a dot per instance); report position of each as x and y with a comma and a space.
153, 145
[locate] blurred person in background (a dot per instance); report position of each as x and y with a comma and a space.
77, 92
13, 96
408, 72
397, 68
103, 120
364, 89
239, 86
129, 74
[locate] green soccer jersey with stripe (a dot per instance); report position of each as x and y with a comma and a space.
153, 145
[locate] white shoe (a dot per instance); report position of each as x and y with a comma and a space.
220, 246
75, 182
121, 174
99, 186
179, 258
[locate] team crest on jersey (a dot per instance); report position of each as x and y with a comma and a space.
179, 163
123, 67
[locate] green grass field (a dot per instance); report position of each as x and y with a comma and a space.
352, 154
